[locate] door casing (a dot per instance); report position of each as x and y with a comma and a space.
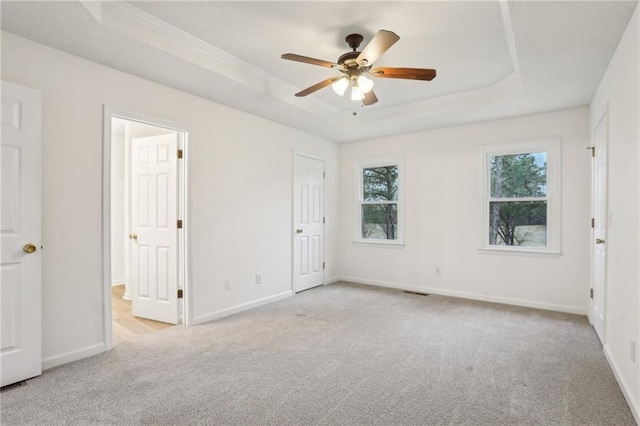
183, 255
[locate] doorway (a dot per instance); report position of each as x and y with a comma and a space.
144, 207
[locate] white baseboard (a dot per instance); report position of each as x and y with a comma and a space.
466, 295
68, 357
332, 280
633, 405
240, 308
116, 283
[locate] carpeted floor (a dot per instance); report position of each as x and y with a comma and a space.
342, 354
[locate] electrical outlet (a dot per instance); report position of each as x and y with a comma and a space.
632, 350
258, 278
227, 285
438, 270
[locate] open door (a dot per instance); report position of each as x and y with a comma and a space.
20, 279
600, 217
154, 228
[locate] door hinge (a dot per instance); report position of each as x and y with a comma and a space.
180, 294
591, 293
324, 220
322, 265
324, 175
179, 153
593, 150
593, 223
179, 224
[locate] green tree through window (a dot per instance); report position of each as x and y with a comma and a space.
380, 202
518, 204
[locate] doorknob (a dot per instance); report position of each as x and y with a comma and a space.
599, 241
29, 248
133, 237
298, 231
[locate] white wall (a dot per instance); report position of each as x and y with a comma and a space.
620, 90
240, 177
442, 210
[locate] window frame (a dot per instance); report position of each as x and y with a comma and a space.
360, 165
552, 146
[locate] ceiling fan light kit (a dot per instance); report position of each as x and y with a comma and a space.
340, 86
356, 67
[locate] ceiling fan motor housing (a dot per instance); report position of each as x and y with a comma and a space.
348, 59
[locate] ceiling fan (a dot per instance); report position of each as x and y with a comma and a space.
357, 67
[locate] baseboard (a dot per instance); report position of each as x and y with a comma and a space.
633, 405
332, 280
466, 295
116, 283
240, 308
68, 357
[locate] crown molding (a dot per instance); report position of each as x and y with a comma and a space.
146, 28
127, 19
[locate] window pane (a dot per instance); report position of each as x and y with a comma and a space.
380, 183
380, 221
518, 223
522, 175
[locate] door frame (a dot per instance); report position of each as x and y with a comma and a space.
297, 154
184, 271
603, 115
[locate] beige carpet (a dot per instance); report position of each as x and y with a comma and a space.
342, 354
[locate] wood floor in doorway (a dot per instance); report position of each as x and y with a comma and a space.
125, 325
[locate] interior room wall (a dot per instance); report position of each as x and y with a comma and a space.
240, 193
442, 211
619, 92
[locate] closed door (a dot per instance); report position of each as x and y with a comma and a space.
154, 236
308, 239
20, 280
599, 243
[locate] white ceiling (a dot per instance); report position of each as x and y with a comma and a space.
494, 59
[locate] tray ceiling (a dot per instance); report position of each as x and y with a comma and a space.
494, 59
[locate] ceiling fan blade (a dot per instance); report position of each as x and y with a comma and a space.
307, 60
406, 73
316, 87
370, 98
379, 44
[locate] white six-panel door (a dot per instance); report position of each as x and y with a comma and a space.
154, 237
308, 216
599, 243
20, 280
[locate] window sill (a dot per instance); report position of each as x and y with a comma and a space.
381, 243
520, 251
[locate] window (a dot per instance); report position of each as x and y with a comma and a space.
521, 203
380, 201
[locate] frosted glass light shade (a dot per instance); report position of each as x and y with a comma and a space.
365, 84
340, 86
356, 93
